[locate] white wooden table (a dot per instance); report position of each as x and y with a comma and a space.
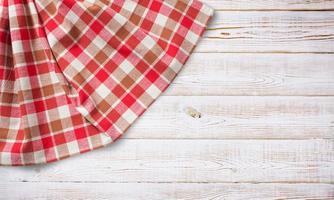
262, 80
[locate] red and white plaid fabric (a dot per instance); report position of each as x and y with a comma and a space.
74, 75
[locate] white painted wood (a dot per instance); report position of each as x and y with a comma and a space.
154, 191
270, 4
227, 117
256, 142
188, 161
255, 74
282, 31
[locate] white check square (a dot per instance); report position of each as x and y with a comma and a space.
153, 91
73, 147
126, 66
103, 91
129, 116
161, 20
64, 112
99, 42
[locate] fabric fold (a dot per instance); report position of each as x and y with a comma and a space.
75, 75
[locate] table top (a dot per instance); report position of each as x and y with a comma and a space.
251, 116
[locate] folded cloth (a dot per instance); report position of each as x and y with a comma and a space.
74, 75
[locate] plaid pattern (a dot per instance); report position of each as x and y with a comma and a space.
74, 75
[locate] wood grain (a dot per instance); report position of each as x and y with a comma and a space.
260, 92
234, 117
190, 161
262, 32
270, 4
255, 74
144, 191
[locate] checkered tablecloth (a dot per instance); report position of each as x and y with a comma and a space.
74, 75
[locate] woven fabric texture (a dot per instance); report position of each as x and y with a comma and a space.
75, 75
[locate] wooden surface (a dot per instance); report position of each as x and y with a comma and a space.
251, 116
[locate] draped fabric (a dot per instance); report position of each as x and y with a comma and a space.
75, 75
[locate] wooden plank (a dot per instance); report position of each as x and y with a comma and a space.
270, 4
189, 161
144, 191
232, 117
255, 74
282, 31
